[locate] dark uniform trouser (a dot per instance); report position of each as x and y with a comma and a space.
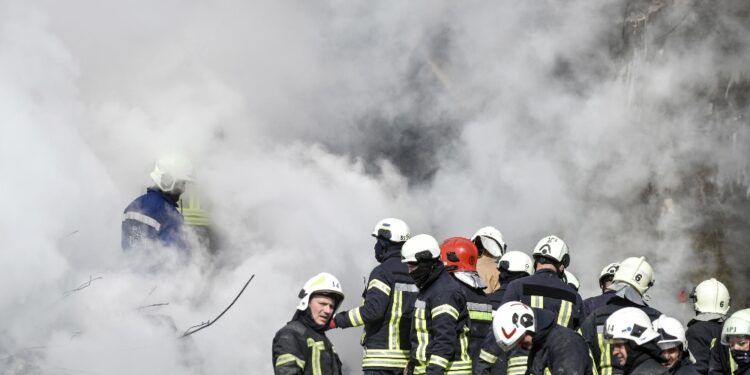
383, 372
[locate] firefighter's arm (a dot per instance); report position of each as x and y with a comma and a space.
445, 311
288, 357
489, 355
377, 297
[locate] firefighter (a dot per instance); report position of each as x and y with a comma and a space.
629, 285
301, 346
153, 218
440, 326
489, 241
605, 280
711, 304
545, 289
633, 341
553, 349
733, 355
459, 255
674, 346
512, 265
388, 304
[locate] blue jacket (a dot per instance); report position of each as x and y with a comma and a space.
153, 217
592, 303
545, 290
386, 314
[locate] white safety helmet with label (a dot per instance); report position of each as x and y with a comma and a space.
736, 325
172, 171
420, 247
636, 272
711, 296
671, 331
392, 229
572, 280
516, 261
510, 322
491, 240
552, 247
323, 283
609, 270
630, 323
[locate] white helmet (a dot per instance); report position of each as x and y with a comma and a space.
711, 296
171, 170
420, 247
516, 261
630, 323
491, 240
323, 282
671, 331
572, 280
609, 270
511, 321
392, 229
737, 325
636, 272
554, 248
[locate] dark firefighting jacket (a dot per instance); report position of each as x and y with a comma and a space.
480, 316
592, 303
302, 348
557, 349
702, 335
545, 290
386, 314
440, 327
721, 361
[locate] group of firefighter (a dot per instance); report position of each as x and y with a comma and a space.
439, 309
469, 306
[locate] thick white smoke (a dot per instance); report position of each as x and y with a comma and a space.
610, 124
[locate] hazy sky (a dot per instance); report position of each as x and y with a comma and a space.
619, 126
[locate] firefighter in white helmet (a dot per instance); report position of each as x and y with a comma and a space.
552, 348
674, 346
440, 326
489, 241
606, 276
711, 303
301, 346
512, 265
572, 280
732, 354
634, 342
154, 218
629, 286
388, 304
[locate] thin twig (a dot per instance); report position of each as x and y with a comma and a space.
202, 325
82, 286
152, 305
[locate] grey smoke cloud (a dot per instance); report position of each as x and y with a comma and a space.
621, 127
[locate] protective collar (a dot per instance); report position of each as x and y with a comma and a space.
626, 291
705, 317
471, 279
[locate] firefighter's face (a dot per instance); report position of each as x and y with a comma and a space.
739, 343
671, 355
527, 341
620, 352
321, 309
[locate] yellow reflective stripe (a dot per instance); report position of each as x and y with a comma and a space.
593, 363
464, 339
480, 315
537, 301
566, 310
547, 371
385, 362
444, 309
732, 363
438, 360
355, 317
420, 326
383, 287
605, 358
459, 368
317, 347
520, 360
287, 358
713, 342
487, 357
394, 325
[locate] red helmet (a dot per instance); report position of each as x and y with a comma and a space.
459, 254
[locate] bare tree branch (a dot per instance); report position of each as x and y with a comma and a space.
202, 325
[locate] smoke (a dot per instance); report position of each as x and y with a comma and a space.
621, 127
